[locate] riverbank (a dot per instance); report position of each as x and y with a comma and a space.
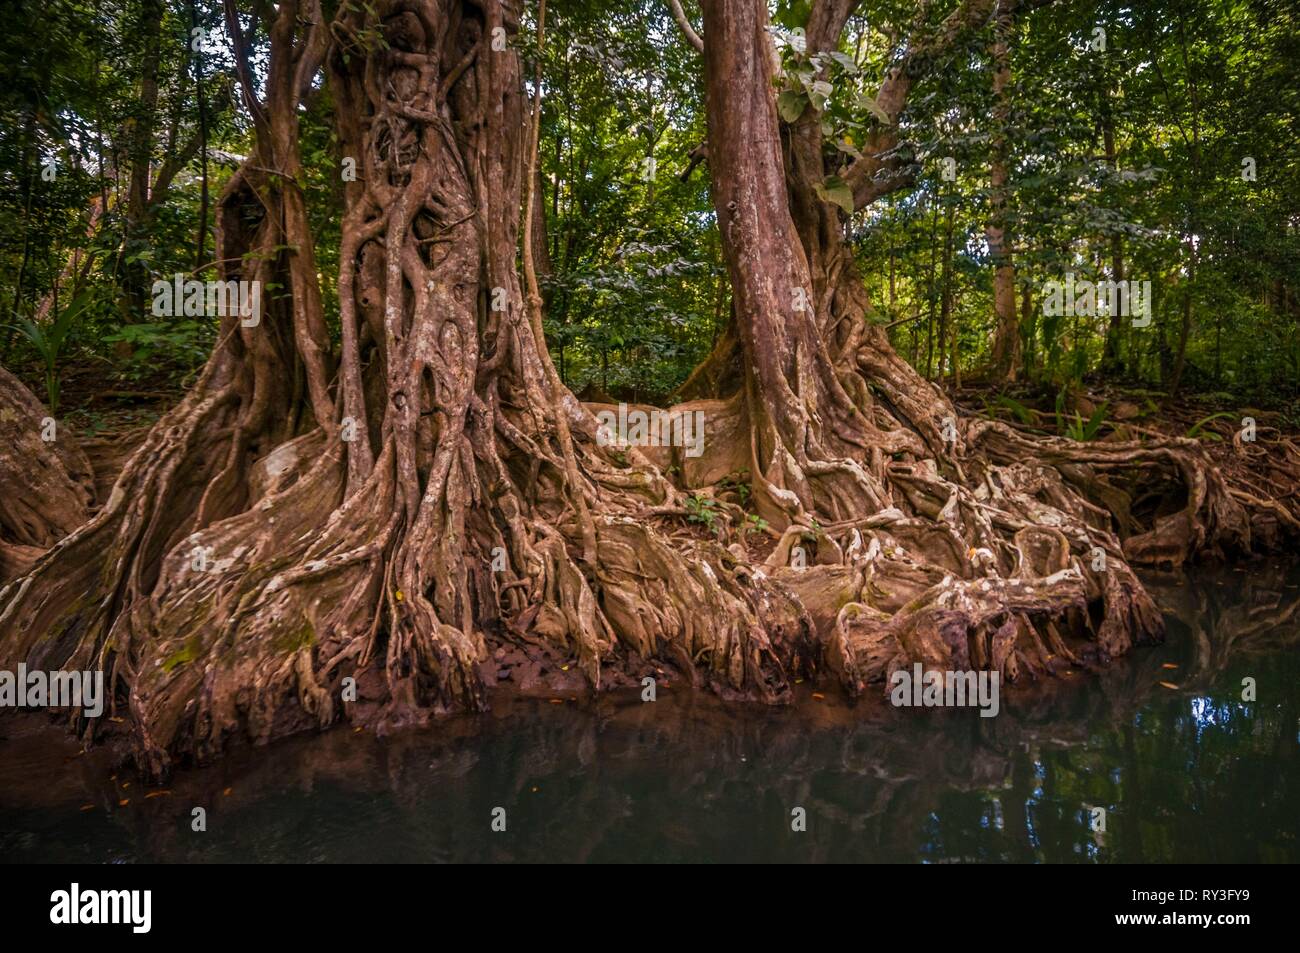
1161, 740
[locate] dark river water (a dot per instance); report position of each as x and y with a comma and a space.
1185, 772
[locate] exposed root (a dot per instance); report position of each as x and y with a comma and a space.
47, 485
291, 547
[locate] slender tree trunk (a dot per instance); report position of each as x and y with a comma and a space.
947, 320
201, 232
1006, 339
932, 298
1112, 359
1184, 334
1028, 327
139, 144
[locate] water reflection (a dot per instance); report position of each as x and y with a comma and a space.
1185, 771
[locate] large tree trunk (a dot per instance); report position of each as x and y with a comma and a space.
432, 493
278, 533
886, 389
991, 534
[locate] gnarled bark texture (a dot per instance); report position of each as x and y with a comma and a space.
292, 523
46, 483
960, 542
394, 509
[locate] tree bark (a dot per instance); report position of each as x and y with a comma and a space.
277, 533
46, 485
1006, 337
397, 512
1112, 358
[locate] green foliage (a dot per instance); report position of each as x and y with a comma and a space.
182, 343
836, 191
49, 340
1078, 429
1196, 429
1189, 90
633, 277
739, 484
1022, 413
702, 510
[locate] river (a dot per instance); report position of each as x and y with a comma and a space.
1185, 771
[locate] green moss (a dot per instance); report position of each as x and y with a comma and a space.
845, 596
186, 653
295, 639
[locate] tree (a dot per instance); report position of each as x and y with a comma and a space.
1006, 336
272, 536
388, 510
841, 427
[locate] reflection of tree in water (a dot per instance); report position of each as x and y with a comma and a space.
1190, 773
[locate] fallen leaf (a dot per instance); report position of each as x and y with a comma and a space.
156, 794
1170, 685
1169, 665
124, 802
87, 807
818, 695
227, 791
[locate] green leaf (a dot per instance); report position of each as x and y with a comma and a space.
1095, 421
1022, 413
836, 191
845, 61
847, 148
819, 92
870, 105
791, 105
1195, 430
